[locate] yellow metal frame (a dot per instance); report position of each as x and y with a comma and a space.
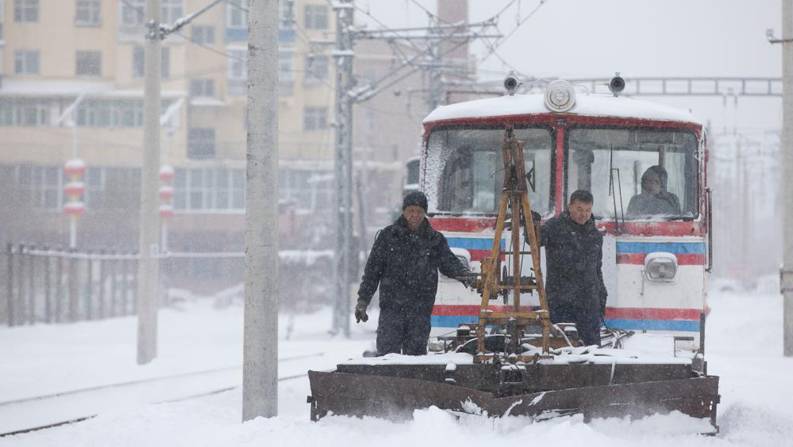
515, 198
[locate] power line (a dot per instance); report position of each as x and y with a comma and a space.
495, 45
521, 22
432, 17
209, 48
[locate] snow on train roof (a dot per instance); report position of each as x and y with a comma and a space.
585, 105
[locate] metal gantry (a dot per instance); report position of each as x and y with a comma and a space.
724, 87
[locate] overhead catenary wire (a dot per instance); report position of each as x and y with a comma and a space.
495, 45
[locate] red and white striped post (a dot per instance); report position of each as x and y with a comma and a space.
74, 189
166, 202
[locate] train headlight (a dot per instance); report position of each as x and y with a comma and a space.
660, 266
559, 96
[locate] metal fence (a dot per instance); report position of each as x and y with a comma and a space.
50, 285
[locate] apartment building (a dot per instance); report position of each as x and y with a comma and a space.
71, 87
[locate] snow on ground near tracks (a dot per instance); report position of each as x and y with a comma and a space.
743, 340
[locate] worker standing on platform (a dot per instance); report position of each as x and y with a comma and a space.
404, 262
574, 256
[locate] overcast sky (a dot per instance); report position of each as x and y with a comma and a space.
582, 38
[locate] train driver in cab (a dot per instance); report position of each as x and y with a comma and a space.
654, 198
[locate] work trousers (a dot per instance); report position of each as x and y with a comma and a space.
403, 328
587, 320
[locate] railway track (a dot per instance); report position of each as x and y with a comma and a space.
132, 383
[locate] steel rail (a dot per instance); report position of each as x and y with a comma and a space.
140, 381
180, 399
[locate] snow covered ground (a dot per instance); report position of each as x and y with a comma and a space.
743, 340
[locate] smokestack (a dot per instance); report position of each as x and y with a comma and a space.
451, 12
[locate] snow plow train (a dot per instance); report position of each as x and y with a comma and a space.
493, 169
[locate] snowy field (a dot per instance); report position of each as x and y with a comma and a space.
744, 343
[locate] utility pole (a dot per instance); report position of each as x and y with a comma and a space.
149, 233
786, 275
260, 350
343, 57
148, 248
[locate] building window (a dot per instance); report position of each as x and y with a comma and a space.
88, 63
285, 66
139, 62
24, 112
115, 113
26, 61
40, 186
133, 13
2, 18
201, 143
87, 13
26, 10
165, 62
202, 87
203, 34
311, 188
238, 71
94, 196
316, 68
209, 189
237, 14
285, 76
170, 10
316, 17
315, 118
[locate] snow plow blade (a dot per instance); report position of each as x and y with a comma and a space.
394, 395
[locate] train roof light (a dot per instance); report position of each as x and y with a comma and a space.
559, 96
511, 83
617, 84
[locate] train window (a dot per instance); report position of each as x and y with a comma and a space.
465, 169
654, 172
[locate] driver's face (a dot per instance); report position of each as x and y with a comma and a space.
652, 183
580, 212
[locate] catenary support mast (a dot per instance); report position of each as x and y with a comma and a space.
260, 350
787, 192
148, 265
343, 57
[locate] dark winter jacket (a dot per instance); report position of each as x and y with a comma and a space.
405, 265
574, 259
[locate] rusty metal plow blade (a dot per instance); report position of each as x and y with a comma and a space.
396, 398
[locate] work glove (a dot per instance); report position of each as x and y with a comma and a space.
360, 312
468, 280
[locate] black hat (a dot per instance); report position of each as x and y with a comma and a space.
416, 198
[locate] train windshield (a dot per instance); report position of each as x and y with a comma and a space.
464, 168
654, 172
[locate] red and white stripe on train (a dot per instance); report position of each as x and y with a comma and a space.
655, 263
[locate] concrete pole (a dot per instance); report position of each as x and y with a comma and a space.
148, 266
343, 57
260, 347
787, 164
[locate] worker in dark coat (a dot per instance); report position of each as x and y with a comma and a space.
574, 258
404, 262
